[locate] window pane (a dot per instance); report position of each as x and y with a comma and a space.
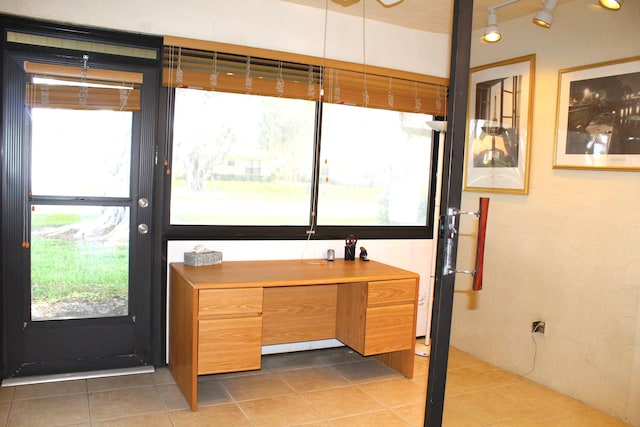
375, 167
79, 262
81, 152
241, 159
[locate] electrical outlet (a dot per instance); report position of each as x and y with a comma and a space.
538, 326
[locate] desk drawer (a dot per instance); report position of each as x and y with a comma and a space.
230, 302
388, 328
391, 292
228, 345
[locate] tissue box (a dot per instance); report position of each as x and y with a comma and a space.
198, 259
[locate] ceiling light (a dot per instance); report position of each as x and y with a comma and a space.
544, 17
612, 4
389, 2
492, 32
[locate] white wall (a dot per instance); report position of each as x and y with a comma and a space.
278, 25
269, 24
569, 252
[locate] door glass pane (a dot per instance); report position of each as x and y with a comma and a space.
81, 152
375, 167
79, 261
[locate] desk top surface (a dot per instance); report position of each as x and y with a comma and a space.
287, 273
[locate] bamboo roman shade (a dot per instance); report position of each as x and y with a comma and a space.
231, 68
61, 86
228, 72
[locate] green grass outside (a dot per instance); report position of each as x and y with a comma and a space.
272, 192
54, 220
242, 190
63, 270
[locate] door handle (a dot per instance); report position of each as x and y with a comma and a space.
483, 210
451, 231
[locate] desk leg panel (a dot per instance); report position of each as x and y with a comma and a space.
402, 361
183, 334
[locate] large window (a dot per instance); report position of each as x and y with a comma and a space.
242, 164
241, 160
275, 145
375, 167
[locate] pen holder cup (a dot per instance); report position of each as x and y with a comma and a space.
349, 253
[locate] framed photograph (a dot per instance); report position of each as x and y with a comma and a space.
499, 130
598, 116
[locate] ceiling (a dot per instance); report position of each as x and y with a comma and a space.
427, 15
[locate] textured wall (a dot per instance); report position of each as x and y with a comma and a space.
569, 252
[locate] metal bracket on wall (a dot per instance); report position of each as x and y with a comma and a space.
451, 229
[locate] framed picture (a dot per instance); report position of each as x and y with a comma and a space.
499, 129
598, 116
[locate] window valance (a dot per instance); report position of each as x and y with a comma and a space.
232, 68
61, 86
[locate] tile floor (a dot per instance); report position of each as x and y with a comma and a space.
331, 387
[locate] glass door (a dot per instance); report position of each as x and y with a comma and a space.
80, 213
84, 270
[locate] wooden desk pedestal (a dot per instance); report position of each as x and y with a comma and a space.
221, 315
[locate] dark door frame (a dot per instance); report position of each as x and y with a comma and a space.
451, 194
152, 143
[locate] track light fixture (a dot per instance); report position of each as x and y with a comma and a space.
611, 4
492, 32
544, 17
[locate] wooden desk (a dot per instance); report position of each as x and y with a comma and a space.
222, 315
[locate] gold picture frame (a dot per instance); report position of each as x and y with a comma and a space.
499, 128
598, 116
